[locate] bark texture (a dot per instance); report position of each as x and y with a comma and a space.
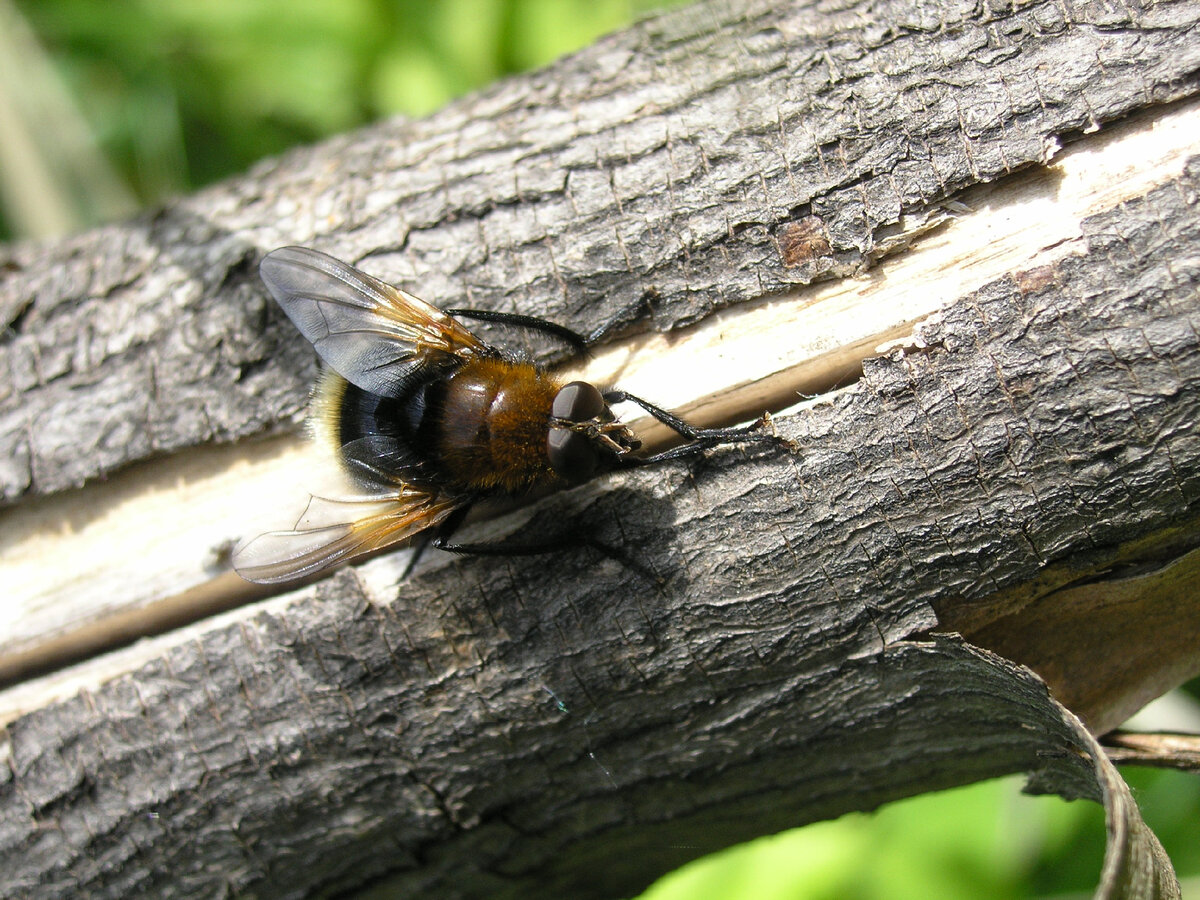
664, 173
522, 727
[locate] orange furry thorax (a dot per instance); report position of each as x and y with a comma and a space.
490, 430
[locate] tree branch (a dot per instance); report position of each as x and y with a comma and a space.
1021, 456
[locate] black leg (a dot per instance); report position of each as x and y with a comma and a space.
699, 439
423, 540
440, 539
562, 332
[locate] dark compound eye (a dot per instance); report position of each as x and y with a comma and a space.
577, 402
572, 454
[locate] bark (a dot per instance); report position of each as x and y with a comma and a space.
1023, 468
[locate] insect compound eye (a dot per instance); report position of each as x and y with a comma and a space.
577, 402
572, 454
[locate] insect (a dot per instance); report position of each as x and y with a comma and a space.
428, 419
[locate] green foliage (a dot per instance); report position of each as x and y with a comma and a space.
179, 93
982, 842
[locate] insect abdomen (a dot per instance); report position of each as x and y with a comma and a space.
381, 432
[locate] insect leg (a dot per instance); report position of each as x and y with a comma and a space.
441, 541
700, 439
421, 543
562, 332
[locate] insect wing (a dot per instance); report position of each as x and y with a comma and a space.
332, 531
371, 333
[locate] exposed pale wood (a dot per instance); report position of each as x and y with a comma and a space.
67, 591
521, 726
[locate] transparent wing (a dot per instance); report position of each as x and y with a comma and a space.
372, 334
332, 531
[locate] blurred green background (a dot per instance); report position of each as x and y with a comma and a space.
108, 107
